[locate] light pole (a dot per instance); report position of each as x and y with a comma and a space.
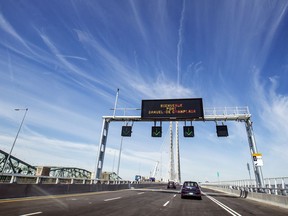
121, 143
8, 158
248, 167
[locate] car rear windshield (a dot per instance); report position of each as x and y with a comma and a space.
190, 184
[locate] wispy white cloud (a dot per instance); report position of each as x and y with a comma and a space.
61, 58
272, 110
160, 87
179, 44
8, 28
111, 60
139, 23
39, 150
54, 117
73, 57
273, 106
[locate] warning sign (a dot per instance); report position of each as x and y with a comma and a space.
257, 158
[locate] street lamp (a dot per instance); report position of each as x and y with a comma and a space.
8, 158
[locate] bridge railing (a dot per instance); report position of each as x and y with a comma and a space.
31, 179
276, 186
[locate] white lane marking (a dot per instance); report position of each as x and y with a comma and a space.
112, 199
166, 203
231, 211
141, 193
29, 214
73, 199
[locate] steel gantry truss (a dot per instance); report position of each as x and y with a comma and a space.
240, 114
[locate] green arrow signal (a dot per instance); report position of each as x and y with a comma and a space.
126, 131
188, 131
156, 131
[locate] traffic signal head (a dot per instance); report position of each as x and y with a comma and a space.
222, 130
156, 131
188, 131
126, 131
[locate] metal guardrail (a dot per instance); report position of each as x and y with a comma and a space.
276, 186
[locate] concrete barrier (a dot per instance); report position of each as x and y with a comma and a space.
277, 200
29, 190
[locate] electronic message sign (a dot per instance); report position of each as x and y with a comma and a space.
172, 109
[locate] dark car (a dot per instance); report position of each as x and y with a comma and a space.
171, 184
191, 189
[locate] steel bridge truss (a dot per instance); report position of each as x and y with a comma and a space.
17, 166
69, 172
240, 114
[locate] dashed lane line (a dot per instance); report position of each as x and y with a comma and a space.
112, 199
166, 203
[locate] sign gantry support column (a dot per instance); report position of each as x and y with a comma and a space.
253, 150
102, 147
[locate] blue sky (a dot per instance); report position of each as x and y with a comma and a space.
65, 60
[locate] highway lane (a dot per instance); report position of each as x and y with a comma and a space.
137, 202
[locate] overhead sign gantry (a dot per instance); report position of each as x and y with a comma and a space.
190, 109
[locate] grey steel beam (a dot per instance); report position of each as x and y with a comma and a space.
253, 150
102, 147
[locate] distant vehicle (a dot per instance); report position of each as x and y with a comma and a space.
191, 189
152, 179
171, 184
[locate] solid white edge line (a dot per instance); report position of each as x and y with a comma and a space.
225, 207
112, 199
231, 211
141, 193
29, 214
166, 203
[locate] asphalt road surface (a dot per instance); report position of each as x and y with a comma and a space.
137, 202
